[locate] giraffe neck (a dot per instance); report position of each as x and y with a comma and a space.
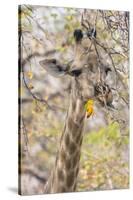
64, 175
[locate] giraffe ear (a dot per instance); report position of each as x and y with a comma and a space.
53, 67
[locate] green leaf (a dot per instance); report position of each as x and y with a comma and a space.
54, 15
113, 131
69, 17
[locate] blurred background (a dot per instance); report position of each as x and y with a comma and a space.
47, 32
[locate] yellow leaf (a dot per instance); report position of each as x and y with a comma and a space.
89, 107
69, 17
46, 98
21, 91
30, 86
30, 75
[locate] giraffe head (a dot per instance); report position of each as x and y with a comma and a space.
84, 68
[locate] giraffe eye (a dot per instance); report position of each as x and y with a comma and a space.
54, 61
76, 72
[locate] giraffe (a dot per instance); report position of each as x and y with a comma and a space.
84, 75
